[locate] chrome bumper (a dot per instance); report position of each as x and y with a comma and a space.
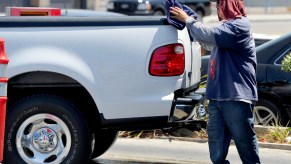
188, 108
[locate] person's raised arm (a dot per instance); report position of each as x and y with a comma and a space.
202, 33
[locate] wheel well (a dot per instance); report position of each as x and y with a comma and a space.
33, 83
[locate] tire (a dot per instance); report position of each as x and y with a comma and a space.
46, 129
103, 140
159, 13
267, 113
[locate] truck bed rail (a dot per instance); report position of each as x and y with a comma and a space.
80, 21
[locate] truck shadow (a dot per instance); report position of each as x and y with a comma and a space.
108, 161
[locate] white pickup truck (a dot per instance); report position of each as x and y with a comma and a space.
75, 82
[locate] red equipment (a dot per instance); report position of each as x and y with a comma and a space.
3, 93
32, 11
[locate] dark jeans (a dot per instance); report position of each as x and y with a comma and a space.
232, 119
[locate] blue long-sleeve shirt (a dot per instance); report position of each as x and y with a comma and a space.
232, 65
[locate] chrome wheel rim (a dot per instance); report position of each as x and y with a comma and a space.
264, 116
43, 138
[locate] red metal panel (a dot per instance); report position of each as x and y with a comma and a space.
3, 97
32, 11
3, 101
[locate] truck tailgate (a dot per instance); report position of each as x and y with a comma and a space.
196, 63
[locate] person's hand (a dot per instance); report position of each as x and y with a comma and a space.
178, 14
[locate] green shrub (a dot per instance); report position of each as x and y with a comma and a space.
286, 63
276, 134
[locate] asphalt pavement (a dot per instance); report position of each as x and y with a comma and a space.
136, 151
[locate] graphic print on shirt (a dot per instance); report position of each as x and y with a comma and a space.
212, 68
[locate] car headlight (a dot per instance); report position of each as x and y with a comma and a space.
110, 5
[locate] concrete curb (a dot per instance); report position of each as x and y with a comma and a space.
189, 136
261, 144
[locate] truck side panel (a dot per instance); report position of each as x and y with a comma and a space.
110, 62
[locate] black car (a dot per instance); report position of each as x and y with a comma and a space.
155, 7
274, 84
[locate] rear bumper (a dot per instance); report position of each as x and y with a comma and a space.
187, 109
187, 105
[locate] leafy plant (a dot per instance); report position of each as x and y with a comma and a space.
286, 63
203, 83
277, 134
201, 134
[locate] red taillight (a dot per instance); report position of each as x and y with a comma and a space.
168, 61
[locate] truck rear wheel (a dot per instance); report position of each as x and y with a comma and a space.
103, 140
46, 129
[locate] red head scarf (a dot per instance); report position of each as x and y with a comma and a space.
230, 9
